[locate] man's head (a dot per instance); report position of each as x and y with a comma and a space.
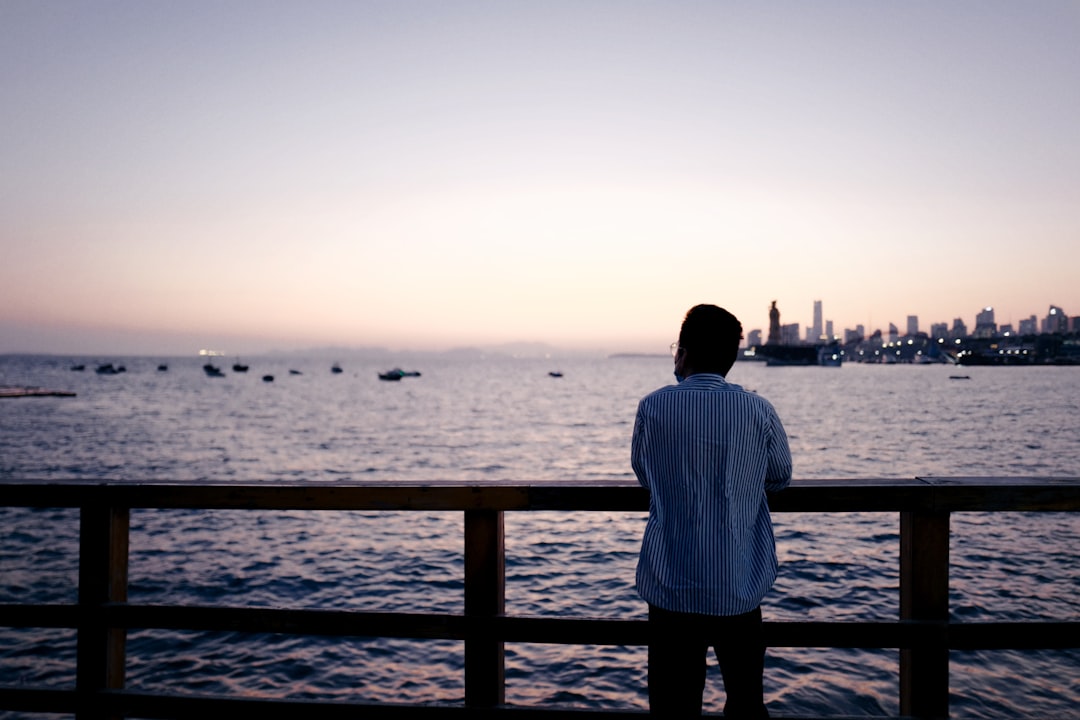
708, 341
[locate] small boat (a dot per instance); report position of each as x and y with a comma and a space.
238, 367
959, 377
335, 369
163, 367
295, 372
212, 370
397, 374
555, 373
110, 369
78, 368
268, 378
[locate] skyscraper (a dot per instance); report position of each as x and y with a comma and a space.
912, 324
1056, 321
985, 326
959, 329
818, 329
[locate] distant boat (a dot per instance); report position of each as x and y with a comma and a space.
212, 370
162, 367
268, 378
959, 377
78, 368
238, 367
335, 369
397, 374
555, 373
110, 369
295, 372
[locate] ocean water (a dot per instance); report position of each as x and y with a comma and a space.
500, 418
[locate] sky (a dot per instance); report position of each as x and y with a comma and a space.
427, 175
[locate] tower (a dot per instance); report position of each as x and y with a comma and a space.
774, 325
912, 325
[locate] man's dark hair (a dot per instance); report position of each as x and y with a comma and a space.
710, 335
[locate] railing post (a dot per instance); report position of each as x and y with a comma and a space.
924, 595
485, 598
103, 570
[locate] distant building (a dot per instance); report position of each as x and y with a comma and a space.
789, 334
856, 335
753, 338
894, 333
829, 331
912, 325
816, 331
985, 327
1029, 326
1056, 321
959, 330
939, 330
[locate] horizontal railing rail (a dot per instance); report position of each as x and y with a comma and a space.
102, 616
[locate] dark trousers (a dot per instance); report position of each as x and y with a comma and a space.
678, 643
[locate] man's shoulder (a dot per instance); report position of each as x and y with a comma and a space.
720, 389
702, 383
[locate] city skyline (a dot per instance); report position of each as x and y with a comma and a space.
985, 321
429, 175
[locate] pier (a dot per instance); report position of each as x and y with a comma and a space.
9, 391
101, 617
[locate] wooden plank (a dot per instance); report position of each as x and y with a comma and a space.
924, 596
50, 615
326, 623
39, 700
1015, 636
187, 705
865, 495
103, 571
485, 599
1050, 494
150, 705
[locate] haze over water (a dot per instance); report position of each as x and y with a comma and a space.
499, 418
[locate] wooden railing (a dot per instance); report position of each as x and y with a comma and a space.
102, 615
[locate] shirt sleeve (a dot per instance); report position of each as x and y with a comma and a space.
778, 469
637, 447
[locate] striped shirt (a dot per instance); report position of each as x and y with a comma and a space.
707, 450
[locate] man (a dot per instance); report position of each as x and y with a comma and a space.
707, 450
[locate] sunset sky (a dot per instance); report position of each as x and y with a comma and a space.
434, 174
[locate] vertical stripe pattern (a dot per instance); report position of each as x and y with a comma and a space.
707, 450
